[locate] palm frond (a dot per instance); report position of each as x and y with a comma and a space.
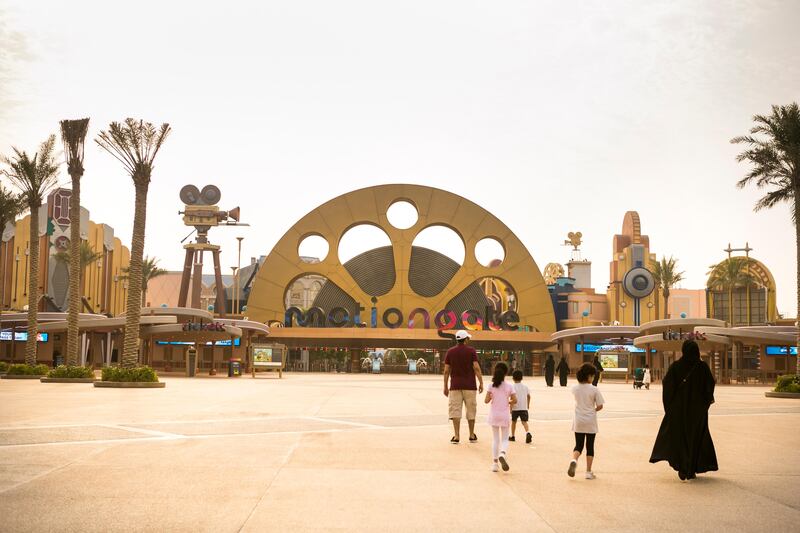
135, 143
775, 157
73, 135
33, 176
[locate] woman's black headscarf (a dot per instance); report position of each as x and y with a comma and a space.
691, 351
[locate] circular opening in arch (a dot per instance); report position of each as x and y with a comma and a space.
402, 214
359, 239
303, 291
443, 240
313, 249
489, 252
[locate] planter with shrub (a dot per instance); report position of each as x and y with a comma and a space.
69, 374
139, 377
23, 371
3, 367
787, 386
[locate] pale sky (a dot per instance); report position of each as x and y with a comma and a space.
555, 116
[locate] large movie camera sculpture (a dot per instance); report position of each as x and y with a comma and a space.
201, 211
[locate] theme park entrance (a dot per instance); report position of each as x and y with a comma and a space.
355, 349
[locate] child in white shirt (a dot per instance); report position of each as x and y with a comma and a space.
588, 401
521, 408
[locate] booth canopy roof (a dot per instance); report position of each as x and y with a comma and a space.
358, 338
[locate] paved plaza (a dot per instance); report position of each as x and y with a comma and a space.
364, 452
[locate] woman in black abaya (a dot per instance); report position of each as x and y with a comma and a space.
549, 370
683, 439
563, 371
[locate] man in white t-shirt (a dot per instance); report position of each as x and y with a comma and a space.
520, 409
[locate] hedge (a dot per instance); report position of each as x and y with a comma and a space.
788, 383
138, 374
62, 371
3, 367
28, 370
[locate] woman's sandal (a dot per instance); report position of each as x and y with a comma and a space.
454, 441
473, 439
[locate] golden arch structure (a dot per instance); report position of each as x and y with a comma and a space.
331, 220
755, 303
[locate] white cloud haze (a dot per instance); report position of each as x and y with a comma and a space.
555, 116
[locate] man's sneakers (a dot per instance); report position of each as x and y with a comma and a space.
572, 466
495, 467
511, 439
503, 462
590, 475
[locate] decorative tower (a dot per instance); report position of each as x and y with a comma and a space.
579, 269
632, 298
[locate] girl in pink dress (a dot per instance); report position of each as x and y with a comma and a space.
501, 395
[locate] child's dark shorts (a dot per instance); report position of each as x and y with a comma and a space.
522, 415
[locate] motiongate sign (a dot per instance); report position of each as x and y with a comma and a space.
393, 318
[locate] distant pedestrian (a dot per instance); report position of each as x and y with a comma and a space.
646, 378
599, 367
563, 371
520, 409
588, 401
549, 370
501, 395
684, 439
461, 368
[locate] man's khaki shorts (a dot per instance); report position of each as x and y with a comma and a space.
466, 397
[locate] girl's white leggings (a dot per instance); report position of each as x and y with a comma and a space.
499, 440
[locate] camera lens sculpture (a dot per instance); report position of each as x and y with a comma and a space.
201, 211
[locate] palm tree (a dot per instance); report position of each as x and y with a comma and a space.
86, 257
728, 275
775, 161
135, 144
73, 133
150, 270
11, 205
666, 276
35, 177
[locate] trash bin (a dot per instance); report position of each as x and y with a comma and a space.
191, 362
234, 368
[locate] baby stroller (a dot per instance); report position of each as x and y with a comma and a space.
638, 378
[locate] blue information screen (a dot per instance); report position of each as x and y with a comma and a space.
226, 342
592, 348
22, 336
781, 350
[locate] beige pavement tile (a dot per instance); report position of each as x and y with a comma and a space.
333, 471
365, 500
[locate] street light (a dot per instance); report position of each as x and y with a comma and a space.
235, 292
623, 305
650, 306
239, 267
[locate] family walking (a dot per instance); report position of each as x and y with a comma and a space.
683, 440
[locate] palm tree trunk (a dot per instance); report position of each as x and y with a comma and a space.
797, 265
130, 349
730, 306
666, 303
33, 288
74, 292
